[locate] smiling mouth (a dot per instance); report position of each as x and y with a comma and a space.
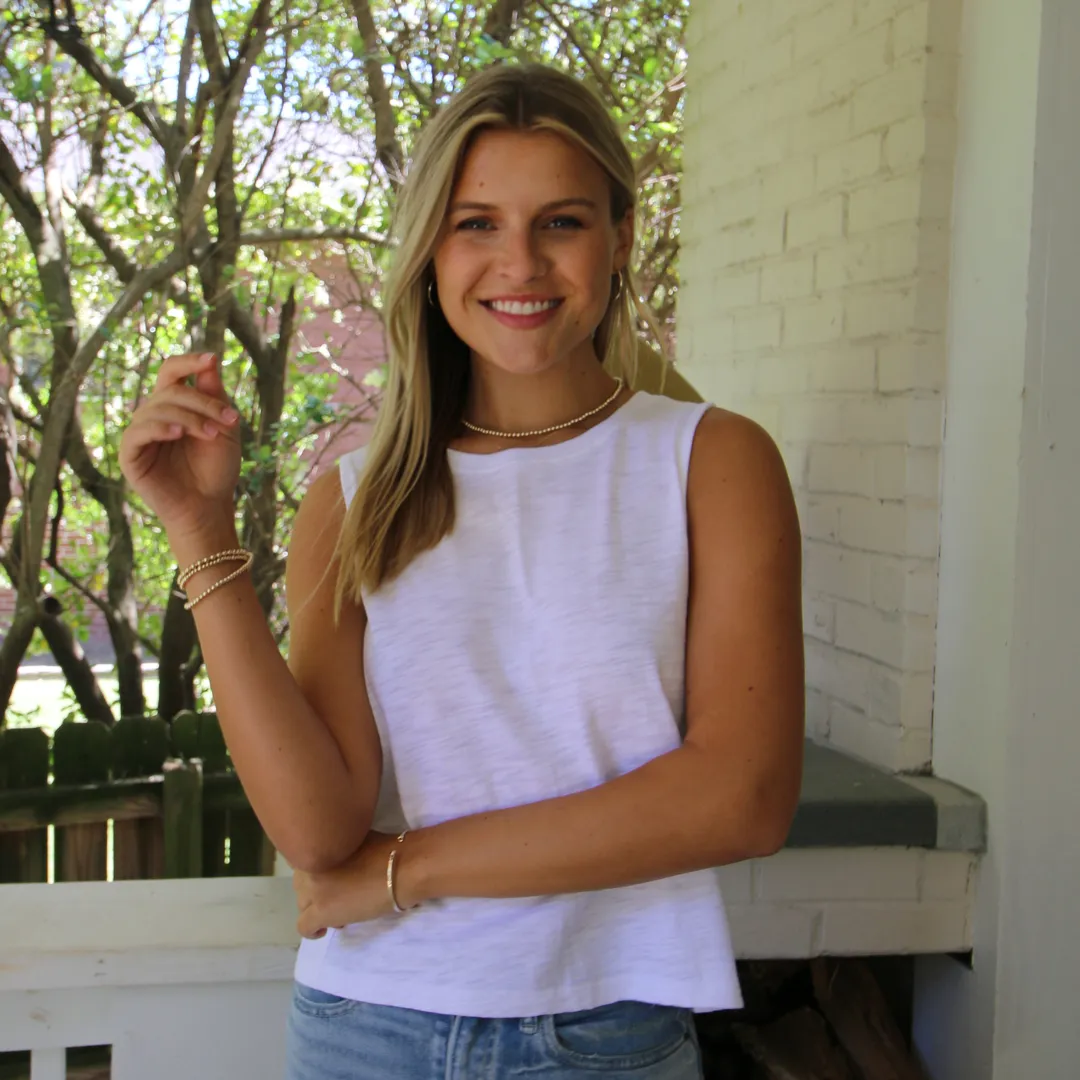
521, 307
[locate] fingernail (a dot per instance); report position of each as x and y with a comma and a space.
209, 428
230, 416
319, 934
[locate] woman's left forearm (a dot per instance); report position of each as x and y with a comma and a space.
677, 813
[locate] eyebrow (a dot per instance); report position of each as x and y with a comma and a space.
559, 204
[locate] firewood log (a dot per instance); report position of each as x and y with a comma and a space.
853, 1003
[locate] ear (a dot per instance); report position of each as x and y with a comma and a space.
624, 242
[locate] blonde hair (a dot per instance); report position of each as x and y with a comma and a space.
405, 501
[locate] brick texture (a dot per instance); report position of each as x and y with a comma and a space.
852, 901
819, 146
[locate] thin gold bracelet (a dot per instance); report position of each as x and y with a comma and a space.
390, 875
233, 555
249, 559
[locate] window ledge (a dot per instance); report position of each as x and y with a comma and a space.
849, 803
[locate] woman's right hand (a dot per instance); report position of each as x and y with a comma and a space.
181, 451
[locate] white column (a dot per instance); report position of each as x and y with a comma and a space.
1008, 678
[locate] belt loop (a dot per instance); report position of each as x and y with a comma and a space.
530, 1025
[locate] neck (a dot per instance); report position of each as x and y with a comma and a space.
504, 401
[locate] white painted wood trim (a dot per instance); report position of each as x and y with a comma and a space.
48, 1064
798, 903
173, 914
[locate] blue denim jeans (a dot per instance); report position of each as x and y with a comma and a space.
333, 1038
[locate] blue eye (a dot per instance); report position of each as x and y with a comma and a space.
565, 222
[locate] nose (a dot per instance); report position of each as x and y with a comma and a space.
521, 255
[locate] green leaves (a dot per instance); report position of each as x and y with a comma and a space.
376, 378
487, 50
24, 85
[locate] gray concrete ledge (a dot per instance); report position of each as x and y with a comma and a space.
961, 814
849, 803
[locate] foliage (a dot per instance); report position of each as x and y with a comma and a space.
172, 175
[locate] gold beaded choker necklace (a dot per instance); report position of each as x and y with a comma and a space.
554, 427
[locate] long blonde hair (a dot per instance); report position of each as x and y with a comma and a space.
405, 501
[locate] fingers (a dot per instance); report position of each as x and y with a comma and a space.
308, 928
179, 368
188, 397
209, 382
147, 432
190, 422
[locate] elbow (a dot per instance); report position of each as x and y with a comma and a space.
768, 837
765, 825
768, 806
321, 850
313, 860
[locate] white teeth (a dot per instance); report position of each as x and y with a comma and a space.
516, 307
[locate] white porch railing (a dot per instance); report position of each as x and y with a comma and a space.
190, 979
184, 979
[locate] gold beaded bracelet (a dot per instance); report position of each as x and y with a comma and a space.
241, 555
232, 555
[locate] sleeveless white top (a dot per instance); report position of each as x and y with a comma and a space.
536, 651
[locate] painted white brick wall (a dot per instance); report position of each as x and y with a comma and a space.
818, 158
850, 901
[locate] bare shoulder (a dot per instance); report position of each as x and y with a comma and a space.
735, 461
323, 497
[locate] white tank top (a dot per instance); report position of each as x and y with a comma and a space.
536, 651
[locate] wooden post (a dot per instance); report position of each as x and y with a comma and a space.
140, 745
250, 853
198, 735
24, 763
182, 810
81, 755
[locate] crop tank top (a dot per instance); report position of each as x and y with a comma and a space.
537, 650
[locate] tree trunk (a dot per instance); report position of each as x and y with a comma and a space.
12, 650
178, 641
260, 518
122, 614
73, 662
128, 669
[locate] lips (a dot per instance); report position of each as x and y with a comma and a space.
522, 312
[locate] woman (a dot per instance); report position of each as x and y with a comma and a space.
546, 660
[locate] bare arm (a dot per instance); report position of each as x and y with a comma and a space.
727, 794
301, 734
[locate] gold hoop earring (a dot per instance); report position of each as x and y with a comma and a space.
430, 294
618, 279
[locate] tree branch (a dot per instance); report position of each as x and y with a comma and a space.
187, 52
387, 147
226, 116
650, 156
203, 13
123, 95
115, 256
241, 323
269, 237
567, 32
501, 16
16, 194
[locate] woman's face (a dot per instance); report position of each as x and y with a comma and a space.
524, 262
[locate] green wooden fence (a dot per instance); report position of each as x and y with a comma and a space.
166, 792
